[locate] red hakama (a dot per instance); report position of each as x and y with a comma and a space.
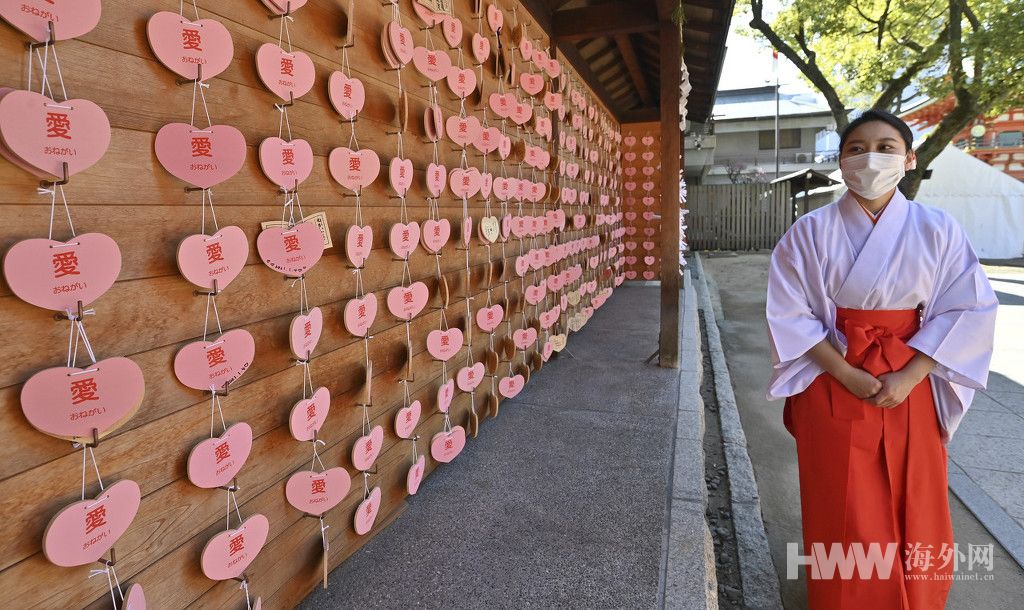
869, 474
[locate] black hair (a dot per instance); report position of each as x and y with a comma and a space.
888, 118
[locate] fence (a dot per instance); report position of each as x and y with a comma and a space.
737, 216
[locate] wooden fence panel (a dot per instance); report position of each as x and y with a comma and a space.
737, 216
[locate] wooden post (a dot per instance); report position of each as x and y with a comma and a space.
671, 57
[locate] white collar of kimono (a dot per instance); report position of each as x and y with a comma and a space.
878, 246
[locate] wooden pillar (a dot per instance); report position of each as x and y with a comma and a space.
671, 56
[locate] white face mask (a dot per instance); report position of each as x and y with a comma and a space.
872, 175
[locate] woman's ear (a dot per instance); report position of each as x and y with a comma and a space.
911, 160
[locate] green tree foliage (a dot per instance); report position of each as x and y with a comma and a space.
881, 53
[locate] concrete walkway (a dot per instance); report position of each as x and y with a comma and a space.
741, 282
566, 498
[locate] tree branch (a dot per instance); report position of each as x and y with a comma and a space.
892, 92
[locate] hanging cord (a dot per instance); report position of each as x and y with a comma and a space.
216, 406
112, 582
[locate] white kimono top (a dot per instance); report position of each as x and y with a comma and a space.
914, 255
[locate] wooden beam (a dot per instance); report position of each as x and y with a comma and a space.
572, 55
671, 65
641, 115
633, 66
666, 8
610, 19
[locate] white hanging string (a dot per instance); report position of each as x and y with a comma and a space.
215, 405
96, 468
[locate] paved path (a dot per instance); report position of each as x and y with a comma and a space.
741, 281
562, 501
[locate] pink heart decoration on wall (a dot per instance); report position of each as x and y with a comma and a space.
531, 83
367, 448
135, 598
354, 170
221, 256
510, 387
200, 157
481, 47
230, 552
462, 81
360, 314
309, 414
451, 28
286, 164
469, 377
444, 344
435, 234
432, 64
347, 95
415, 475
45, 134
445, 395
69, 402
215, 461
406, 302
84, 531
406, 419
291, 251
495, 18
366, 512
524, 337
358, 244
545, 352
183, 45
70, 19
462, 130
488, 318
287, 75
400, 41
436, 177
446, 446
403, 238
315, 493
465, 183
56, 275
280, 7
206, 365
304, 333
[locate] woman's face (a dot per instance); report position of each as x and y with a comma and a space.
876, 137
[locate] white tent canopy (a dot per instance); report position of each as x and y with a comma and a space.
985, 201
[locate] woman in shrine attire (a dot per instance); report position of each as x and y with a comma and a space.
881, 322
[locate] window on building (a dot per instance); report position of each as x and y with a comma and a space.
788, 138
1010, 138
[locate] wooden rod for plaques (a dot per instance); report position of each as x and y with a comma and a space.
671, 58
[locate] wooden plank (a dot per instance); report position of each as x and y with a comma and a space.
671, 55
609, 19
633, 66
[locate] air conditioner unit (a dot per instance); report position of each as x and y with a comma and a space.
803, 157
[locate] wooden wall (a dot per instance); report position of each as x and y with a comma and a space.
151, 311
643, 235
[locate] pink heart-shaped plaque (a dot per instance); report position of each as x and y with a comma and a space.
436, 176
415, 476
522, 264
488, 318
221, 257
445, 395
348, 95
84, 531
56, 275
465, 183
481, 48
183, 45
287, 75
45, 134
403, 238
535, 294
291, 251
444, 344
435, 234
524, 337
366, 512
406, 419
648, 275
215, 461
502, 104
358, 244
446, 446
462, 130
509, 387
354, 170
70, 19
521, 113
200, 157
280, 7
309, 414
400, 41
360, 314
406, 302
304, 333
432, 64
429, 17
230, 552
469, 377
70, 403
367, 448
451, 28
315, 493
462, 81
495, 18
531, 83
135, 598
208, 365
286, 164
400, 175
545, 352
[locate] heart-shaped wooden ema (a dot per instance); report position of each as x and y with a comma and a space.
291, 251
183, 45
230, 552
462, 81
531, 83
524, 337
309, 414
206, 365
481, 48
400, 175
359, 314
509, 387
347, 95
432, 64
469, 377
70, 19
435, 234
221, 257
462, 130
451, 29
286, 164
354, 169
444, 344
400, 41
358, 244
403, 238
488, 318
445, 395
547, 349
84, 531
315, 493
406, 302
200, 157
45, 134
406, 419
56, 275
135, 599
304, 333
367, 448
490, 228
495, 18
69, 402
215, 461
288, 75
464, 183
446, 446
415, 475
280, 7
436, 177
366, 512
